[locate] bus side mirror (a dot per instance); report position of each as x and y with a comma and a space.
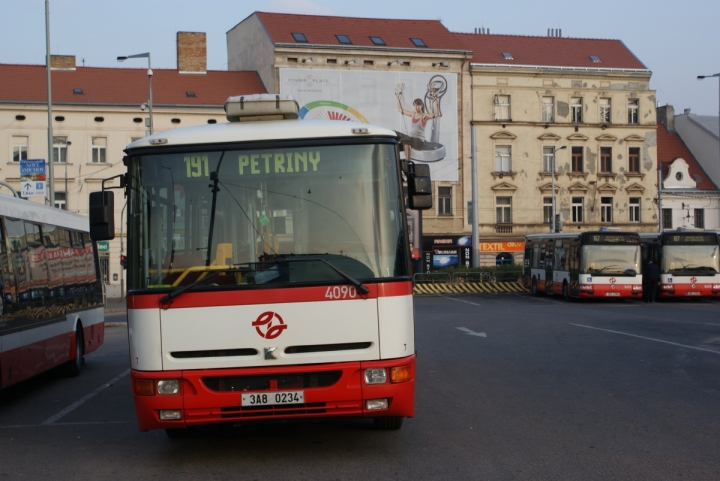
419, 186
102, 215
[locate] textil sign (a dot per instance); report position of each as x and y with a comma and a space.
32, 178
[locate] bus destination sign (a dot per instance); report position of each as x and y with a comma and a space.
612, 239
690, 239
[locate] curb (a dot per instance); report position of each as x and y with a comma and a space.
469, 288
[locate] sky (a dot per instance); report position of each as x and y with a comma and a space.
677, 41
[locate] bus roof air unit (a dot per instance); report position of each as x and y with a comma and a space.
257, 107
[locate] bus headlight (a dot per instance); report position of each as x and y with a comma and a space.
637, 287
668, 287
168, 386
376, 404
585, 287
716, 286
376, 375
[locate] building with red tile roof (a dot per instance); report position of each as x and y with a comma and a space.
97, 112
689, 197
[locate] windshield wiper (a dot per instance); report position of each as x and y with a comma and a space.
603, 268
356, 283
183, 289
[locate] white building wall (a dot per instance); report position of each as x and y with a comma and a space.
703, 145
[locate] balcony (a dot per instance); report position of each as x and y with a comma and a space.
503, 228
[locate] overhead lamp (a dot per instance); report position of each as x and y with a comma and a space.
398, 61
310, 60
442, 64
355, 61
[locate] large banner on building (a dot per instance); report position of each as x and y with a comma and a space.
421, 107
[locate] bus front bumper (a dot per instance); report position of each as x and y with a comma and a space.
329, 390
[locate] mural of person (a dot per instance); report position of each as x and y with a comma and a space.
417, 147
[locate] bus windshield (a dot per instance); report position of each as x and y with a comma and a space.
611, 260
255, 216
690, 260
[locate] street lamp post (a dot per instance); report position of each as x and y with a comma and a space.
150, 73
552, 174
700, 77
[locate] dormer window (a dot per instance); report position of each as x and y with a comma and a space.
77, 91
377, 40
343, 39
300, 37
507, 56
190, 94
418, 42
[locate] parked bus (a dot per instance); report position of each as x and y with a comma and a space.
268, 270
51, 305
689, 262
604, 264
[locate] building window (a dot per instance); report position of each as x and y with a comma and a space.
606, 209
504, 258
99, 145
634, 209
606, 160
19, 148
503, 208
60, 145
548, 157
577, 159
548, 109
700, 218
547, 210
377, 40
343, 39
418, 42
577, 210
605, 111
633, 105
576, 110
444, 200
104, 259
300, 37
60, 200
502, 107
503, 160
667, 219
634, 160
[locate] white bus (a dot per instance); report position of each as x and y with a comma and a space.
51, 305
268, 270
604, 264
689, 262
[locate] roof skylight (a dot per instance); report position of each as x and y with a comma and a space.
418, 42
377, 40
595, 59
507, 56
78, 91
190, 94
300, 37
344, 39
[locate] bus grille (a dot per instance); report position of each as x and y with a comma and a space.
274, 381
257, 411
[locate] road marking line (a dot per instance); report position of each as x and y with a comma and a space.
62, 424
460, 300
472, 333
649, 338
85, 398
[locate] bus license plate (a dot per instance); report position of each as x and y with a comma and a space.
612, 294
693, 293
273, 398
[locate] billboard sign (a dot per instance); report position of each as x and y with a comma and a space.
421, 107
32, 178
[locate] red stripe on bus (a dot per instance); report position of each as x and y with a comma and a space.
269, 296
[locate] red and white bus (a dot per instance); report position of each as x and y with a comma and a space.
51, 310
269, 270
604, 264
689, 262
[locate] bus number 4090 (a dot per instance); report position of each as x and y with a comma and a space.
341, 292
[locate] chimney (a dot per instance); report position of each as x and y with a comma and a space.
62, 62
191, 53
666, 116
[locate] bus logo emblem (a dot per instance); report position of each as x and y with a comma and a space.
269, 325
693, 280
613, 280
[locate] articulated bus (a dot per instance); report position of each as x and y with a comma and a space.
689, 262
268, 270
602, 264
51, 304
